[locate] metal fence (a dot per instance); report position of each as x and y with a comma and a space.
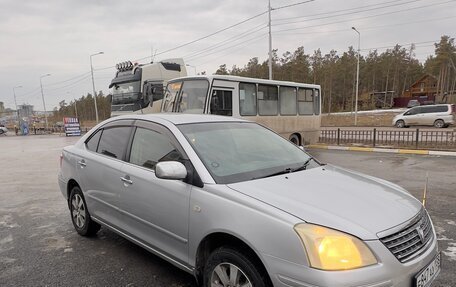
404, 138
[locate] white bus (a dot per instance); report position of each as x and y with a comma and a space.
135, 87
291, 109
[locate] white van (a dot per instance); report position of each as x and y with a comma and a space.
439, 116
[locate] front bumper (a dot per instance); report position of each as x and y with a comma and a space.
387, 273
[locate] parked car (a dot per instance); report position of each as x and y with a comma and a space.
413, 103
439, 116
235, 204
3, 129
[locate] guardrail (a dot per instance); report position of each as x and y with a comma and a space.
409, 138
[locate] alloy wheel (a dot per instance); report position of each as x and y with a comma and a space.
229, 275
78, 211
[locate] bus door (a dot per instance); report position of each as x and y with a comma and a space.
223, 98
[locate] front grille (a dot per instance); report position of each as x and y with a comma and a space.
411, 240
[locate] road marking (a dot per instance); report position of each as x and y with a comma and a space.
355, 148
411, 151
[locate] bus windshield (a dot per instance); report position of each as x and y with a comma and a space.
192, 97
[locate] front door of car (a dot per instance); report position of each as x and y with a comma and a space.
156, 210
100, 171
412, 116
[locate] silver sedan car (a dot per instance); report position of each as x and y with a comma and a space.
235, 204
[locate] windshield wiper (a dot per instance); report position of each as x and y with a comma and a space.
304, 165
288, 169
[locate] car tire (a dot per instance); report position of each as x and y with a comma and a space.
439, 124
400, 124
294, 139
223, 261
80, 216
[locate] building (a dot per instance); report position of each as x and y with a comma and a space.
424, 90
2, 107
25, 111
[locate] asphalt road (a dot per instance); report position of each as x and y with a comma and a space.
39, 247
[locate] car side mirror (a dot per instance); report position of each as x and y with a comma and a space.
170, 170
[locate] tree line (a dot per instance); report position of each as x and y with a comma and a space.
84, 107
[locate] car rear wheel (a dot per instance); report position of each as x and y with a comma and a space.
80, 216
227, 267
439, 124
400, 124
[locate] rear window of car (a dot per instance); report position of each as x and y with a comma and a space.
92, 143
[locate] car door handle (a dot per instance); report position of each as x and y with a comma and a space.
82, 163
126, 179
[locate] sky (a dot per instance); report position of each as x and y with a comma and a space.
57, 37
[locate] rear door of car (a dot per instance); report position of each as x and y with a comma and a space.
99, 169
156, 210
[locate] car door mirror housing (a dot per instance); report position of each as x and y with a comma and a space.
170, 170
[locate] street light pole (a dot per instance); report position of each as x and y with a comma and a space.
42, 96
15, 103
357, 76
93, 84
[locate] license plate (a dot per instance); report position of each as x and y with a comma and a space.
425, 277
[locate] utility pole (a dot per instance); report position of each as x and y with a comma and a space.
93, 84
270, 41
357, 76
42, 96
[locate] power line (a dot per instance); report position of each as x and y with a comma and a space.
70, 79
239, 48
345, 10
291, 5
229, 47
221, 43
209, 35
364, 28
366, 17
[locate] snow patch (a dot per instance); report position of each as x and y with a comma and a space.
451, 251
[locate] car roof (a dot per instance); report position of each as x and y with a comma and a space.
179, 118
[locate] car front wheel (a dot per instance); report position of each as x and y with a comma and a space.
80, 216
227, 267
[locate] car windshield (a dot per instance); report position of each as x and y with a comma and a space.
236, 151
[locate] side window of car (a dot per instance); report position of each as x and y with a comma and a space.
114, 142
150, 147
441, 109
93, 141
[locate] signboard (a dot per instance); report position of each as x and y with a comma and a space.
71, 126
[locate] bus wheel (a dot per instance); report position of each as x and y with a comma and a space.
294, 138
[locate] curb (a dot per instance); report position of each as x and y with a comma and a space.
384, 150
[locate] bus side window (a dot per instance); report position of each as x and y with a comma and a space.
287, 101
221, 103
305, 101
267, 100
247, 99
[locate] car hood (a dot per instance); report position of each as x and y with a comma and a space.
337, 198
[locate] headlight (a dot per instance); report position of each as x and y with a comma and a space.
329, 249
